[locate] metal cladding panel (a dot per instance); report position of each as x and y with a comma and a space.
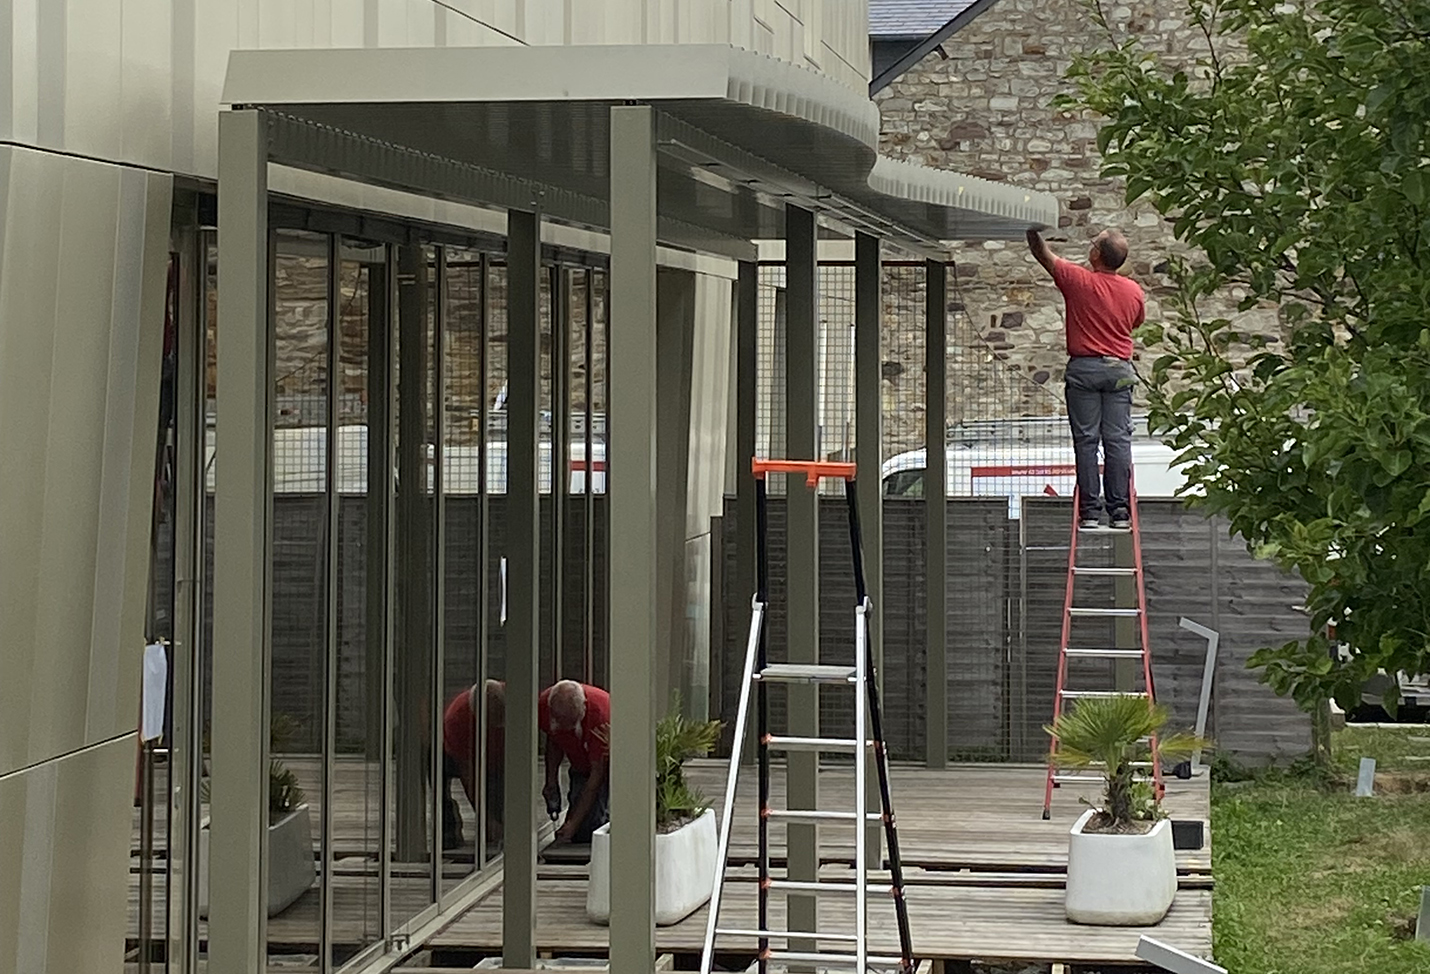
81, 323
64, 851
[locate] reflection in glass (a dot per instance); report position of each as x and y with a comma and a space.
494, 527
361, 609
299, 593
413, 655
465, 791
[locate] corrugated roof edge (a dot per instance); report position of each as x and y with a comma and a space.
938, 187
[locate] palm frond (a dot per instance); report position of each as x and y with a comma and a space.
1113, 734
677, 740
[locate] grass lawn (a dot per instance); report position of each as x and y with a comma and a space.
1312, 880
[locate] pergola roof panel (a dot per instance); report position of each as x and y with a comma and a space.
741, 134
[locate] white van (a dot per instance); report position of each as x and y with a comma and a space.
1022, 471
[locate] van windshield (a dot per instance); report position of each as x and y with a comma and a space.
905, 483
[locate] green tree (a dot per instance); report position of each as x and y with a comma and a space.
1289, 153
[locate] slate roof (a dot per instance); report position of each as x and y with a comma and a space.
912, 18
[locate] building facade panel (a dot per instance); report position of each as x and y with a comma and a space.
81, 313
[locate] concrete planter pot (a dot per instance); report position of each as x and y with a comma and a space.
291, 866
1120, 880
685, 863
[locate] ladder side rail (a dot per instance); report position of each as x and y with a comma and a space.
763, 719
757, 619
861, 797
886, 801
864, 653
1157, 778
1062, 657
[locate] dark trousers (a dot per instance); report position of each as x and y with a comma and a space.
451, 813
1099, 397
600, 812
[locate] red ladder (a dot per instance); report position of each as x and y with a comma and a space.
1065, 651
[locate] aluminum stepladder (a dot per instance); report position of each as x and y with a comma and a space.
1067, 651
758, 674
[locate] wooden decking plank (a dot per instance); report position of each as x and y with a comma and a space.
984, 874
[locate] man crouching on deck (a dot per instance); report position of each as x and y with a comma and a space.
576, 720
1103, 308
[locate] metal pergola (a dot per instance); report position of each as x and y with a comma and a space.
704, 148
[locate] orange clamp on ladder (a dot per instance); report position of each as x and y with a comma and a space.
1077, 570
842, 948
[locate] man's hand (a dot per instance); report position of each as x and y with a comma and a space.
552, 794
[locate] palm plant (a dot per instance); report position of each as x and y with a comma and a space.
677, 740
1112, 735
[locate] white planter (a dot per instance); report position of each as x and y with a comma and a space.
1120, 880
291, 866
684, 871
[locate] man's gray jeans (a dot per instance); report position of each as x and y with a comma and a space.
1099, 397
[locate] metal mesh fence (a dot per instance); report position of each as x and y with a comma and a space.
1006, 440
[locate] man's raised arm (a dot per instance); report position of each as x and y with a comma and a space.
1040, 250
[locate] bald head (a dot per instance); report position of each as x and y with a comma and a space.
567, 703
1109, 251
496, 701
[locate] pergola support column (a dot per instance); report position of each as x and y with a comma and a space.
747, 324
868, 445
522, 625
802, 549
238, 873
633, 496
936, 504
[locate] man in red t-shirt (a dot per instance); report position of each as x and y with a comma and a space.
459, 760
1103, 308
576, 719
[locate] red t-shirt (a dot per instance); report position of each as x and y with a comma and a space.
1102, 309
591, 740
458, 726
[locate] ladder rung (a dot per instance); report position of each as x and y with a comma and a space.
1066, 779
815, 815
1104, 571
847, 744
1121, 613
1101, 694
1104, 529
847, 938
806, 673
804, 886
837, 960
1104, 653
1130, 764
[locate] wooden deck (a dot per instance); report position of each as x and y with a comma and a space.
984, 877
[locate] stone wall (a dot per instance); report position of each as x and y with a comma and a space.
987, 111
301, 343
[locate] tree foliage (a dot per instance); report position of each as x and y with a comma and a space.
1289, 153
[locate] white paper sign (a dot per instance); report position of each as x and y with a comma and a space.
503, 589
156, 684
